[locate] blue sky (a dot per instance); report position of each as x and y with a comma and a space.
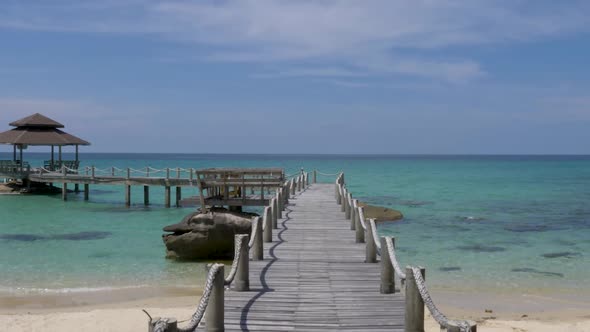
325, 76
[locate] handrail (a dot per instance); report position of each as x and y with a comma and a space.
389, 262
239, 272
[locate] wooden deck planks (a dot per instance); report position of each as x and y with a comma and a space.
313, 277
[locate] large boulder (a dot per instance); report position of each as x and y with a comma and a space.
207, 235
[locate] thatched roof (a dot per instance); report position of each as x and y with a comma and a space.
38, 129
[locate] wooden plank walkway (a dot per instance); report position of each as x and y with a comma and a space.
313, 277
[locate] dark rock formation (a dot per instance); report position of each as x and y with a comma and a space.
206, 235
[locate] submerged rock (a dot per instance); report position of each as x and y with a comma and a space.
564, 254
481, 248
380, 213
206, 235
449, 268
535, 271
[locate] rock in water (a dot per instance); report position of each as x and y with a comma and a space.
206, 235
380, 213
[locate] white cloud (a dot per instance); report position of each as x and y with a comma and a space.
372, 36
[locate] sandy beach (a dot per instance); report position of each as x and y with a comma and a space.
96, 312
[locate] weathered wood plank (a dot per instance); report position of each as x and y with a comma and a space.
313, 277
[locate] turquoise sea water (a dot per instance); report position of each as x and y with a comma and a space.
501, 223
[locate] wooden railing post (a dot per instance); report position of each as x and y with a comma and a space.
299, 183
242, 280
371, 247
347, 207
315, 176
275, 214
306, 179
267, 224
414, 303
355, 215
343, 194
279, 198
387, 273
359, 230
292, 187
258, 246
214, 314
338, 193
128, 173
93, 171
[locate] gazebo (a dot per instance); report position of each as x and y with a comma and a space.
38, 130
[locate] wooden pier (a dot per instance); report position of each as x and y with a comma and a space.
314, 274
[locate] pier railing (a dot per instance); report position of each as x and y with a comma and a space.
412, 279
211, 304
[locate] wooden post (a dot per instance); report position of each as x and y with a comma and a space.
342, 199
258, 246
299, 183
146, 195
93, 171
178, 196
280, 205
306, 179
86, 191
214, 314
355, 215
338, 194
359, 230
387, 273
112, 171
267, 224
315, 176
414, 303
275, 213
242, 280
167, 196
64, 191
127, 195
348, 208
292, 187
371, 247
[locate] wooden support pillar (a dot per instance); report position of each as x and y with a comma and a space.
127, 195
258, 245
414, 303
279, 198
86, 191
52, 158
214, 314
359, 230
64, 191
59, 155
178, 196
387, 273
275, 213
267, 224
371, 246
146, 195
167, 196
242, 280
14, 152
76, 188
315, 176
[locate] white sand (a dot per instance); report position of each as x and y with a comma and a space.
129, 317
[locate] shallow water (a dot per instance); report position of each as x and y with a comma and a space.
501, 223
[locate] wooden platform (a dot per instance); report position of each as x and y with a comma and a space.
313, 277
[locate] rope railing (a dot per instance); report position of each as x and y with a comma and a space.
238, 275
412, 281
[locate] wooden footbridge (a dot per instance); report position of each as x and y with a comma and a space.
311, 264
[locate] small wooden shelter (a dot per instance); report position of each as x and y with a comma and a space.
237, 187
38, 130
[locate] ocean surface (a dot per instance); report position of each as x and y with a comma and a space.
515, 224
